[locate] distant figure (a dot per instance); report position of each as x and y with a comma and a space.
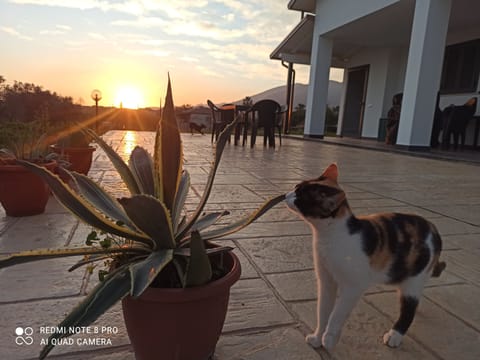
196, 127
393, 119
455, 121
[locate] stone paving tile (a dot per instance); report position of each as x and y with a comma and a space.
253, 305
273, 229
248, 271
466, 242
456, 300
295, 286
431, 324
448, 226
469, 213
23, 280
267, 305
39, 231
361, 337
464, 264
374, 203
288, 253
232, 193
276, 344
406, 209
48, 313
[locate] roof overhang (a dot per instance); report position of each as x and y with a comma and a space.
302, 5
297, 46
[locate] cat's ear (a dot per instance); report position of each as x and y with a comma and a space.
331, 172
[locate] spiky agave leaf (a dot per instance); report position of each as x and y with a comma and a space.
180, 198
220, 145
208, 220
199, 269
106, 294
245, 221
141, 165
144, 272
45, 254
81, 208
168, 156
120, 165
151, 217
99, 198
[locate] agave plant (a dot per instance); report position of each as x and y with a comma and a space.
158, 238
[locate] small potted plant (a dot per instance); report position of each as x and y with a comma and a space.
174, 283
22, 193
73, 145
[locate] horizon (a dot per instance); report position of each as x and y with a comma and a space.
216, 50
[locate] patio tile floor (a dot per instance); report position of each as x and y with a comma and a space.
272, 307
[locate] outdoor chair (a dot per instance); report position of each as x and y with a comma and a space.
219, 120
266, 114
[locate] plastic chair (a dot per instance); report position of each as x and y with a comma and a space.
218, 121
266, 114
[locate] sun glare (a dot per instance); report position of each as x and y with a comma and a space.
129, 97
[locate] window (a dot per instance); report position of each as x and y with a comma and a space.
461, 68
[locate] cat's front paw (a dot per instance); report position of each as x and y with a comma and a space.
392, 338
314, 340
329, 341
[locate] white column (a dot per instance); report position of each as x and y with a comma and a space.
424, 67
342, 101
318, 87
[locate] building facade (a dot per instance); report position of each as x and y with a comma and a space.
421, 48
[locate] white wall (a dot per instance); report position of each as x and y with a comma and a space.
330, 14
397, 66
378, 60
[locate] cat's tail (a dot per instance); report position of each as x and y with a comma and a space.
438, 268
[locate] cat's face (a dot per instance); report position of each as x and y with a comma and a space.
317, 198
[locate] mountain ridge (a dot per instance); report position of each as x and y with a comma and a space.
279, 94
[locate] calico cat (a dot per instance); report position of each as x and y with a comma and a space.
351, 253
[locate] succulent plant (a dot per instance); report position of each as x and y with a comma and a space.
27, 141
158, 241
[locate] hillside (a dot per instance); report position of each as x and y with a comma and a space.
279, 94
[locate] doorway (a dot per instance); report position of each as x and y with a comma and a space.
355, 101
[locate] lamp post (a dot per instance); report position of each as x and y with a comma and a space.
96, 95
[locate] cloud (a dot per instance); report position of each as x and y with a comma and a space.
15, 33
59, 30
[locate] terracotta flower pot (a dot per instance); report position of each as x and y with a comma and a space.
23, 193
80, 158
180, 324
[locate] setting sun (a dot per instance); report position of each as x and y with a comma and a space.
129, 97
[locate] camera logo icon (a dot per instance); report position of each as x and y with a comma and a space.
24, 335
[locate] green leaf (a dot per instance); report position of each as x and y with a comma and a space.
141, 164
247, 220
44, 254
152, 217
122, 168
185, 252
81, 208
88, 260
168, 156
144, 272
199, 270
220, 145
102, 200
98, 301
180, 198
208, 220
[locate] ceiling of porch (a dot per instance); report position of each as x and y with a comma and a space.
389, 27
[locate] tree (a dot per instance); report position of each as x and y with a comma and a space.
248, 101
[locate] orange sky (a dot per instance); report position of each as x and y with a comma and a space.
212, 49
